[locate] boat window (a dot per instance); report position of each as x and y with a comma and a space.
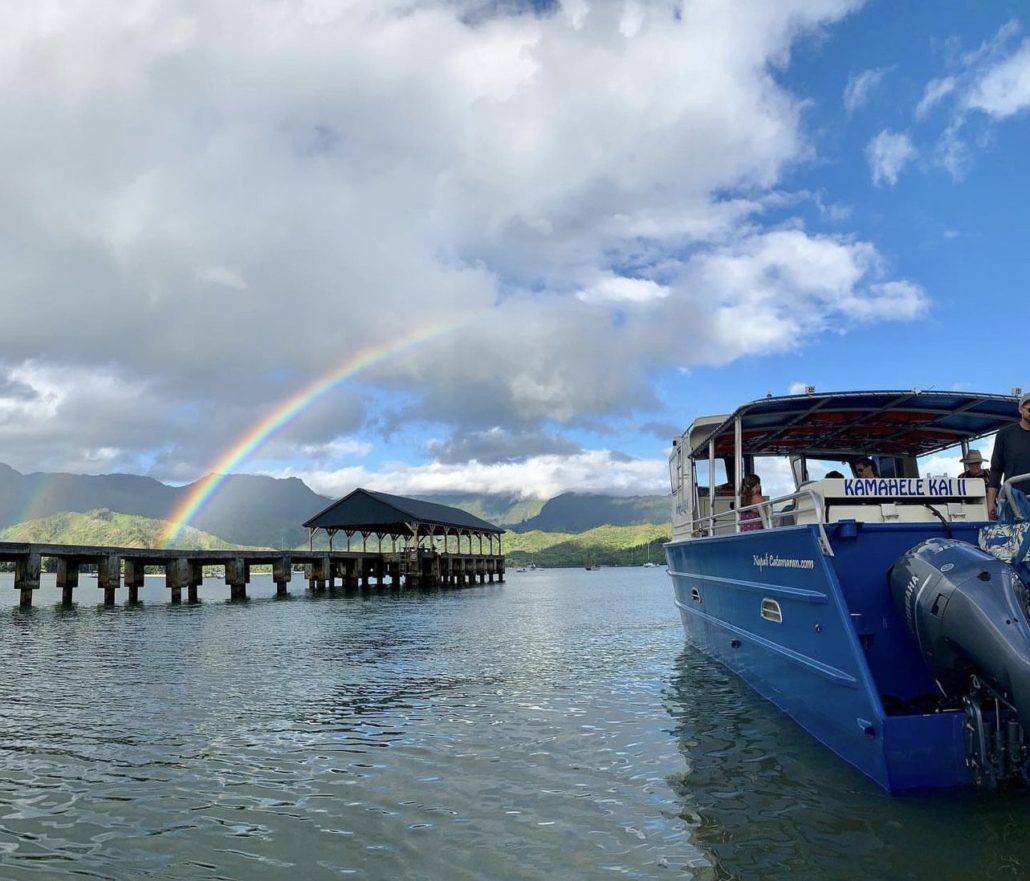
771, 611
888, 466
701, 473
775, 474
695, 594
817, 469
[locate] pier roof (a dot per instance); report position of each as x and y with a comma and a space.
373, 512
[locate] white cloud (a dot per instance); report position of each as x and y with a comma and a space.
935, 92
614, 288
991, 81
860, 86
44, 406
222, 277
1004, 89
770, 292
888, 153
537, 477
253, 191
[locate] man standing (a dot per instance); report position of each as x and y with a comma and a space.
1011, 455
974, 463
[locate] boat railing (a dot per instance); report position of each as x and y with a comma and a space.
832, 500
779, 511
1006, 494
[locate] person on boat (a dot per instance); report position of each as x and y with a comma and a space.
751, 494
834, 474
1011, 456
866, 467
974, 463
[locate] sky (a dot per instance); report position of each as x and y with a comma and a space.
489, 246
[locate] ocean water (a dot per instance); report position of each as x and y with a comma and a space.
551, 727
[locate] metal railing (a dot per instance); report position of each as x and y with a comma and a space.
1006, 491
780, 511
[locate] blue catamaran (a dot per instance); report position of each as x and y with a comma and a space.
868, 608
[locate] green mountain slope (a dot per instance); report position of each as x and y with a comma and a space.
269, 512
578, 512
603, 546
501, 510
105, 528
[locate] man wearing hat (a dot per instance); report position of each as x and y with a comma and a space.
974, 463
1011, 456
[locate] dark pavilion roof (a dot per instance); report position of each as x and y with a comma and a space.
380, 513
913, 423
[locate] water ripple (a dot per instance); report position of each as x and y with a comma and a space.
553, 727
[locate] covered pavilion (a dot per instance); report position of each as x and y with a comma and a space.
417, 524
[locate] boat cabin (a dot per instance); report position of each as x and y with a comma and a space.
810, 444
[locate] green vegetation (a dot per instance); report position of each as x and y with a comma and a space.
103, 527
603, 546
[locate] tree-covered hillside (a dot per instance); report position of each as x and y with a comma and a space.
603, 546
107, 529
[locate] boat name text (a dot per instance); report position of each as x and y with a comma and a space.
904, 486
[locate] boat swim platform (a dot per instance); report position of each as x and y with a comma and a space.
184, 569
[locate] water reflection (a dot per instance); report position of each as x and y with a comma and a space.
764, 800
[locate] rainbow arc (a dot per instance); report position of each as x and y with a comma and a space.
281, 415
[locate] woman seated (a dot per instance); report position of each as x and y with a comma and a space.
751, 494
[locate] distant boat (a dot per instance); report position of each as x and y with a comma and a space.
649, 564
592, 566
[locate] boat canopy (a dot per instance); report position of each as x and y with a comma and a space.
898, 423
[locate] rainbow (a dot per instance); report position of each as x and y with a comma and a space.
281, 415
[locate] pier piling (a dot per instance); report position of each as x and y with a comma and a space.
67, 579
184, 569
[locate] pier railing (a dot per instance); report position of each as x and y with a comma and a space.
184, 569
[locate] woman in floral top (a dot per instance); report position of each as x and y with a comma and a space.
751, 494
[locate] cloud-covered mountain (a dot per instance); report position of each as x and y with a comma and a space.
268, 512
247, 509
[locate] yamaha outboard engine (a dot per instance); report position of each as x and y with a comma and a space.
968, 613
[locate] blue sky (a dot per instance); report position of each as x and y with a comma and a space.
624, 214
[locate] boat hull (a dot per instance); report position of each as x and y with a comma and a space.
818, 635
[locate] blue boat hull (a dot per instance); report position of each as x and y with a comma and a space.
820, 637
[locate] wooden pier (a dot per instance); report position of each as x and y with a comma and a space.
184, 570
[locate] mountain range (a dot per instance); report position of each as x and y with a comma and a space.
268, 512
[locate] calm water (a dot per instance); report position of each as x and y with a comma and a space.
550, 728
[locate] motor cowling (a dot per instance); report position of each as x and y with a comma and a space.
967, 611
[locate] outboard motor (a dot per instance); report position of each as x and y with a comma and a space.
968, 613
